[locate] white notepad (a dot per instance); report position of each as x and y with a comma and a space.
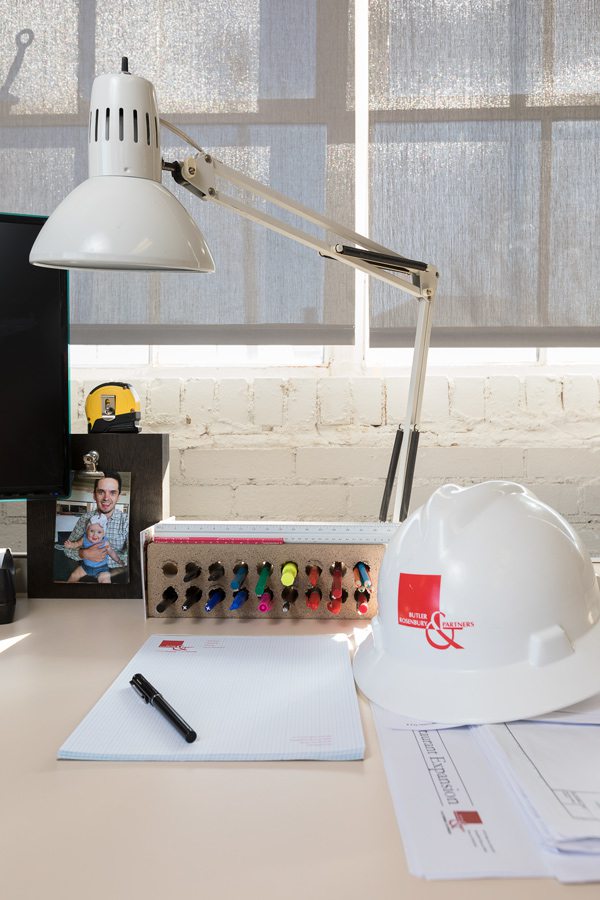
248, 698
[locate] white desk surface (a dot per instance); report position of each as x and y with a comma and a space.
150, 831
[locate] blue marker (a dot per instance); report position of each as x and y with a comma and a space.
364, 575
239, 598
217, 595
240, 573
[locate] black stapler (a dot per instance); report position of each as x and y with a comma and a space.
7, 587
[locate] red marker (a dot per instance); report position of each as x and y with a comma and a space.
313, 598
313, 575
362, 602
336, 587
334, 606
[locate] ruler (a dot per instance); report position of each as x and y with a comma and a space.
289, 532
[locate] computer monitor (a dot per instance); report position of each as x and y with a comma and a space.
34, 378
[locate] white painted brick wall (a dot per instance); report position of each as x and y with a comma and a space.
238, 466
504, 398
334, 406
165, 396
367, 400
467, 400
233, 409
318, 448
543, 397
268, 402
301, 406
396, 399
199, 402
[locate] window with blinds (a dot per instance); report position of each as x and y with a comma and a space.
484, 158
260, 84
483, 152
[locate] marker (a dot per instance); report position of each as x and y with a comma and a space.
364, 575
217, 595
192, 595
240, 571
313, 598
169, 596
150, 695
336, 587
334, 605
263, 577
313, 575
239, 598
289, 595
192, 570
362, 602
215, 571
266, 601
288, 574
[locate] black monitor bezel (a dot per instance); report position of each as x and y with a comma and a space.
62, 487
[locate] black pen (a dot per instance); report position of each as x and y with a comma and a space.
150, 695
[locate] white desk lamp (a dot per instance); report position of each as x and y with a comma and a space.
123, 218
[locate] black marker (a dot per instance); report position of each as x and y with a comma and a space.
150, 695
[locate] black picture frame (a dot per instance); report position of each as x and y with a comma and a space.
146, 456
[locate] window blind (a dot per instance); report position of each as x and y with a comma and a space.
485, 120
483, 145
260, 85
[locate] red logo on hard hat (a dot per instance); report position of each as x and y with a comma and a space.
436, 632
418, 599
419, 607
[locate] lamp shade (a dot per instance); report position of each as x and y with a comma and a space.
116, 222
122, 217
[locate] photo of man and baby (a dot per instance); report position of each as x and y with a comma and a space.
92, 530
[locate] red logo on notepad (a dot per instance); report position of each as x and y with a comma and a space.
419, 607
172, 646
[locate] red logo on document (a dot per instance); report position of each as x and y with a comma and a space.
465, 817
419, 607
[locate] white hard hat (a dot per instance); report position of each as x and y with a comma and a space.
489, 610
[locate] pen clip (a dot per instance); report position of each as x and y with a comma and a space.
138, 683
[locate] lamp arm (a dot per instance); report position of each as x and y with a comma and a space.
338, 252
199, 175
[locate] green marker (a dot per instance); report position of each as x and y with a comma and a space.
288, 574
262, 578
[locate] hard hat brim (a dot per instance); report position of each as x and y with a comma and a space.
482, 696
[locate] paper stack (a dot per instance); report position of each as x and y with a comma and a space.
515, 800
554, 774
248, 698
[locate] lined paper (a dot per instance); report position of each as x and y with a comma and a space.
248, 698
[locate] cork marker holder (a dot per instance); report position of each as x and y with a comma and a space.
268, 580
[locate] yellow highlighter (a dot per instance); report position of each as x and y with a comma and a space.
288, 574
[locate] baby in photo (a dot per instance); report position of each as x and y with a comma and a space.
95, 536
